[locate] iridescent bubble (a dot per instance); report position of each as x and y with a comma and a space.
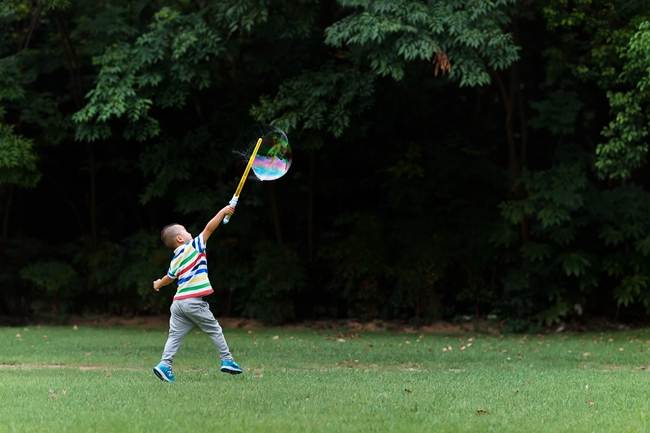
273, 158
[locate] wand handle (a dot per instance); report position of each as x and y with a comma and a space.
235, 198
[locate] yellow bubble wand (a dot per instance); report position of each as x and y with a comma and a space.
235, 198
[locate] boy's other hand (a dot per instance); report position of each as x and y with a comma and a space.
157, 284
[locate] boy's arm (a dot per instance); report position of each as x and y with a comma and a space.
214, 222
162, 282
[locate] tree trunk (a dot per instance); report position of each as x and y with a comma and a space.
32, 25
310, 209
92, 202
5, 223
276, 214
513, 99
71, 61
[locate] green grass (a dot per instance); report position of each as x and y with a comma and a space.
307, 381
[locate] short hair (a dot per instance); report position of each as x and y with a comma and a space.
169, 233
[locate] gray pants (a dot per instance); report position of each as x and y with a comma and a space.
186, 314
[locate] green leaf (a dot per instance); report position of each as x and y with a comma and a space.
575, 263
558, 113
17, 159
643, 245
610, 235
534, 251
630, 287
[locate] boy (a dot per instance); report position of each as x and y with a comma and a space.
188, 309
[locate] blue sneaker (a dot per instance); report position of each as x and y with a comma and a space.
230, 366
164, 373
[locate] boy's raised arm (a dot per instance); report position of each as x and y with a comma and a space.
214, 222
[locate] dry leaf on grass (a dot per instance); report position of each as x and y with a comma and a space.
275, 337
348, 335
590, 402
18, 335
482, 412
408, 390
257, 376
108, 374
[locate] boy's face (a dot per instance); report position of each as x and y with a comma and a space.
184, 235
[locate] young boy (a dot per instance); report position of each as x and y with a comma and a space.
188, 309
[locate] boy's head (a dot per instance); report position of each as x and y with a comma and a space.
174, 235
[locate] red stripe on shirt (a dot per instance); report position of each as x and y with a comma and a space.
194, 295
191, 265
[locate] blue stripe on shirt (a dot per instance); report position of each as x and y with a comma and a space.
200, 271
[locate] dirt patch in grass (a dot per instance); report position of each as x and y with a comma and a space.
352, 325
161, 321
605, 368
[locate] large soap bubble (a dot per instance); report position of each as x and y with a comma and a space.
273, 157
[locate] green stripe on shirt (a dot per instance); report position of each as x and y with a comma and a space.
184, 262
193, 288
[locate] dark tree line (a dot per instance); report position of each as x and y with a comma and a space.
451, 158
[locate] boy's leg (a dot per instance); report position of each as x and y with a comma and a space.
179, 326
204, 319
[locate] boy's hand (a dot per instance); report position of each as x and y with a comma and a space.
161, 282
228, 210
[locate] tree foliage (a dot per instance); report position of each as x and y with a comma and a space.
452, 158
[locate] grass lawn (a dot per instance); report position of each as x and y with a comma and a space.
60, 379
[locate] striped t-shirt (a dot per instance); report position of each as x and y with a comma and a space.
190, 266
